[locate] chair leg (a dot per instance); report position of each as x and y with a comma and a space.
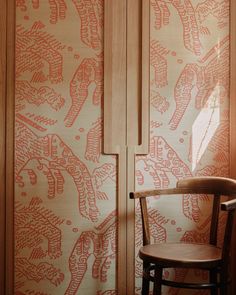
213, 279
145, 282
223, 282
157, 281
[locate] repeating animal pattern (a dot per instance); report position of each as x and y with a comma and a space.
65, 205
102, 245
90, 70
189, 84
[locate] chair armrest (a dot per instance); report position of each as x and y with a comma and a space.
228, 205
148, 193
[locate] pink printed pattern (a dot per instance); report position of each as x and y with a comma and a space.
91, 15
57, 8
161, 161
94, 142
189, 76
59, 167
159, 63
36, 50
205, 78
35, 224
102, 245
89, 71
65, 187
186, 13
53, 155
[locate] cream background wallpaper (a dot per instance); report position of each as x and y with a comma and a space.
65, 208
189, 124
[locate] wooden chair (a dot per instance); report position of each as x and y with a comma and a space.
208, 257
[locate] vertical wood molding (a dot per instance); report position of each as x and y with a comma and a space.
126, 114
233, 121
130, 247
143, 148
122, 271
134, 74
138, 31
114, 76
115, 117
10, 111
233, 89
3, 30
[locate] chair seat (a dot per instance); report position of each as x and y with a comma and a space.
181, 255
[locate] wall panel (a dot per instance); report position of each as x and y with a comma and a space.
65, 204
189, 117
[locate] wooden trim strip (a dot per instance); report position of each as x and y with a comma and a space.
134, 74
130, 247
10, 111
138, 68
115, 118
173, 191
143, 148
122, 272
126, 114
233, 89
233, 123
3, 30
114, 76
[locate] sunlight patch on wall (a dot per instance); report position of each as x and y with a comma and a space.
205, 126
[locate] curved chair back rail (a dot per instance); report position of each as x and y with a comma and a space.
203, 256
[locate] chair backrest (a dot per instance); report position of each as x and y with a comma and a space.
216, 186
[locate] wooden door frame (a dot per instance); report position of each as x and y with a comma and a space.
7, 88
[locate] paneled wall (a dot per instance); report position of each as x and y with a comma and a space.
65, 187
189, 117
65, 203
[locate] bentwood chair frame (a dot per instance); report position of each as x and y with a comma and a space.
208, 257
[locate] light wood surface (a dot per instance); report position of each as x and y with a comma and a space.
182, 254
126, 114
2, 141
114, 76
122, 272
134, 72
201, 185
233, 89
143, 147
115, 118
10, 113
138, 67
233, 121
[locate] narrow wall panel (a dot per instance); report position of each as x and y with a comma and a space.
10, 113
65, 204
233, 121
126, 113
115, 76
189, 117
3, 45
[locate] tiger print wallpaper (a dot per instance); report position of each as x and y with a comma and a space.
189, 124
65, 203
